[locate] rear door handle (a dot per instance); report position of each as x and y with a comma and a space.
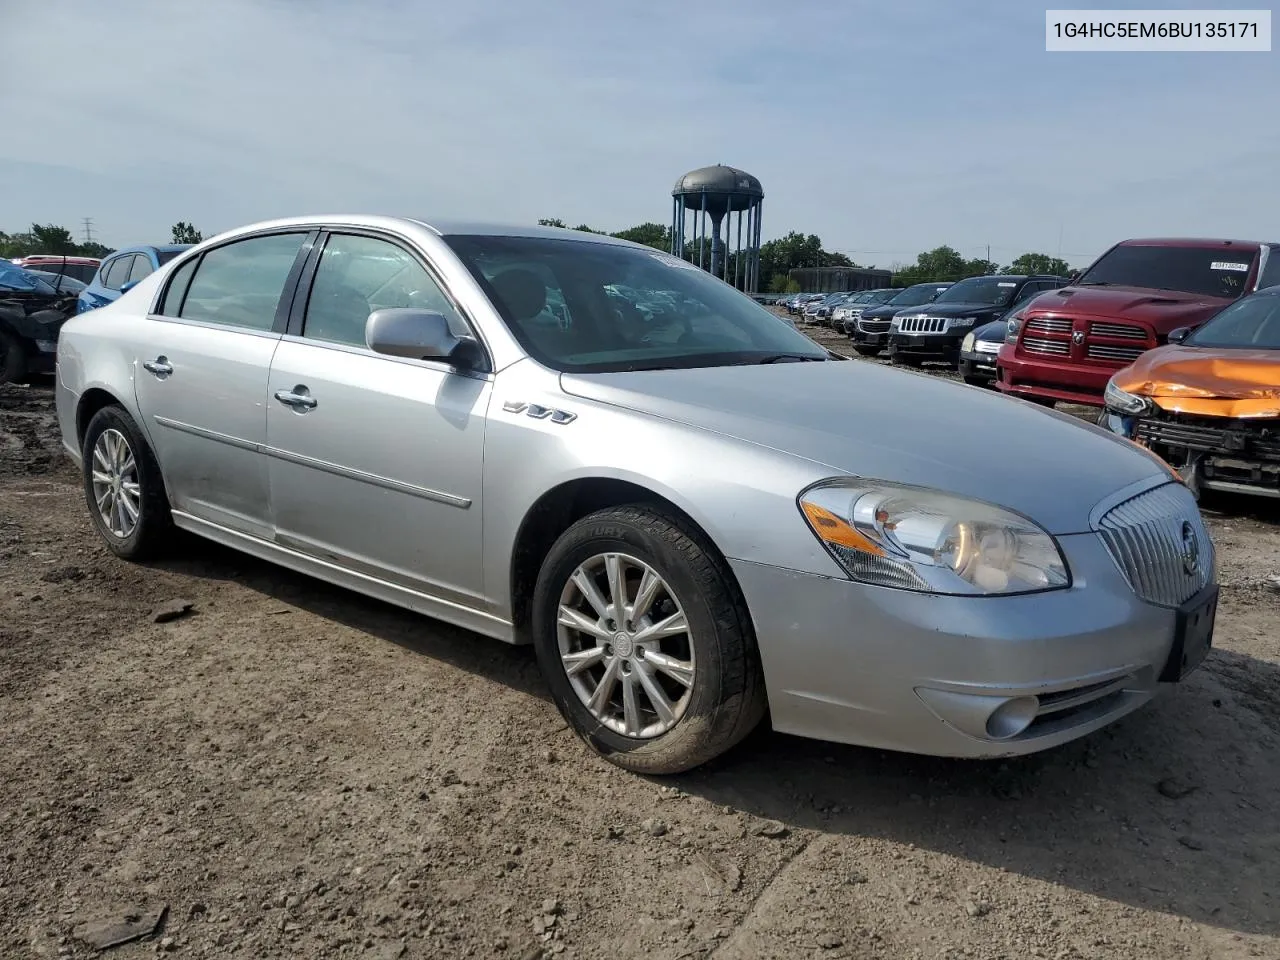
160, 366
290, 398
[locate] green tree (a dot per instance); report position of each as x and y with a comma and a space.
50, 238
552, 222
1039, 263
942, 263
650, 234
184, 232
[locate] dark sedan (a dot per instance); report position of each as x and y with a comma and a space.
934, 332
978, 351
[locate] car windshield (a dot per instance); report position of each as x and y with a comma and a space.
879, 296
920, 293
1253, 323
575, 306
993, 291
1215, 271
13, 277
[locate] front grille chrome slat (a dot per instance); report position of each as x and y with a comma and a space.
922, 325
1146, 537
1106, 351
1055, 348
873, 326
1117, 331
1050, 324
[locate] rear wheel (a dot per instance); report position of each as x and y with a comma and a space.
645, 641
123, 487
13, 358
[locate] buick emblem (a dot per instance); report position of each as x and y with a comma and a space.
1190, 549
1077, 337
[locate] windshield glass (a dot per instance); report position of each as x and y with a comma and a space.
13, 277
1253, 323
164, 256
917, 295
1215, 271
583, 306
879, 296
993, 291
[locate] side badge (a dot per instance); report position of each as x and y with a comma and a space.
538, 412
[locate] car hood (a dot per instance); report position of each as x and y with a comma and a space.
1207, 382
1163, 309
957, 309
862, 419
995, 330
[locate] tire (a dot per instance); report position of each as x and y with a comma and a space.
13, 359
898, 360
726, 696
865, 351
153, 529
976, 381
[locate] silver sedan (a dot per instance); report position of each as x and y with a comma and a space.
498, 428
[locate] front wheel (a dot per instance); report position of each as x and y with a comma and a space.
123, 487
13, 358
645, 641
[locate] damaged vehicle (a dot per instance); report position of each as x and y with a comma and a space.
1209, 402
32, 311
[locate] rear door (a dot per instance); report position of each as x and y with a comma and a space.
375, 461
201, 380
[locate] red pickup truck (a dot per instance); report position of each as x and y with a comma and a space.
1066, 343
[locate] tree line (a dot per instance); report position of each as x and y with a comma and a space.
797, 250
777, 257
51, 238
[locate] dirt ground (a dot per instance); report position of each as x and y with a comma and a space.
293, 771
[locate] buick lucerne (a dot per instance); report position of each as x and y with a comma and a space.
586, 444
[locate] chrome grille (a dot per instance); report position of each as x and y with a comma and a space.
923, 324
1057, 348
1146, 537
1120, 331
873, 326
989, 346
1050, 324
1107, 351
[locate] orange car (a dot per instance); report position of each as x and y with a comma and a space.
1209, 402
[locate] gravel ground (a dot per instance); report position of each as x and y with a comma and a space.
290, 770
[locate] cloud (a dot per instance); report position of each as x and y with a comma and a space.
881, 127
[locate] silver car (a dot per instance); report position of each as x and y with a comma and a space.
474, 423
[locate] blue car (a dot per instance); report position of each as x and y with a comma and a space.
119, 273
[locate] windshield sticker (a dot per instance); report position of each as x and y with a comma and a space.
1002, 284
1228, 265
676, 262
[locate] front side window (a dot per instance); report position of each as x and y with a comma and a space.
240, 284
1253, 323
116, 272
555, 297
989, 291
358, 275
1216, 271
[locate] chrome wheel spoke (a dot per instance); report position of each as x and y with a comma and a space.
582, 580
613, 566
581, 622
575, 663
646, 593
680, 671
631, 721
101, 477
672, 626
662, 706
604, 689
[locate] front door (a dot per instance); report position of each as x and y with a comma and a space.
375, 461
201, 382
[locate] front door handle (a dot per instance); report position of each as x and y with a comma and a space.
298, 398
160, 366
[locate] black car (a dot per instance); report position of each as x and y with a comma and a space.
978, 351
870, 330
934, 332
32, 311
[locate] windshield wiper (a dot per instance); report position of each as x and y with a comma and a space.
1095, 283
788, 358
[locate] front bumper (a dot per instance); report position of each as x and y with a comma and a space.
974, 364
1068, 382
928, 346
896, 670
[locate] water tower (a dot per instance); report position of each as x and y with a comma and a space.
716, 194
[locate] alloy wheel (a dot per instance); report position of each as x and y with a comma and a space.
625, 645
116, 488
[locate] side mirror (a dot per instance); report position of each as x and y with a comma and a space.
1180, 334
127, 286
418, 334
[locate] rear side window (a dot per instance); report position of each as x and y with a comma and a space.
141, 267
240, 284
116, 272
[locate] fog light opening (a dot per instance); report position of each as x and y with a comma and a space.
1012, 717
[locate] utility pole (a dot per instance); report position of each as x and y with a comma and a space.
88, 229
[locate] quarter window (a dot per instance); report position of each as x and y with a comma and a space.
358, 275
240, 284
171, 302
1271, 272
116, 272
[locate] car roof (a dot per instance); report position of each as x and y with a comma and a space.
1189, 242
156, 247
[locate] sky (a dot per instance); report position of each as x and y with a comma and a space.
886, 127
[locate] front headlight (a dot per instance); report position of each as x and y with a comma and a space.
913, 538
1124, 402
967, 343
1015, 324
